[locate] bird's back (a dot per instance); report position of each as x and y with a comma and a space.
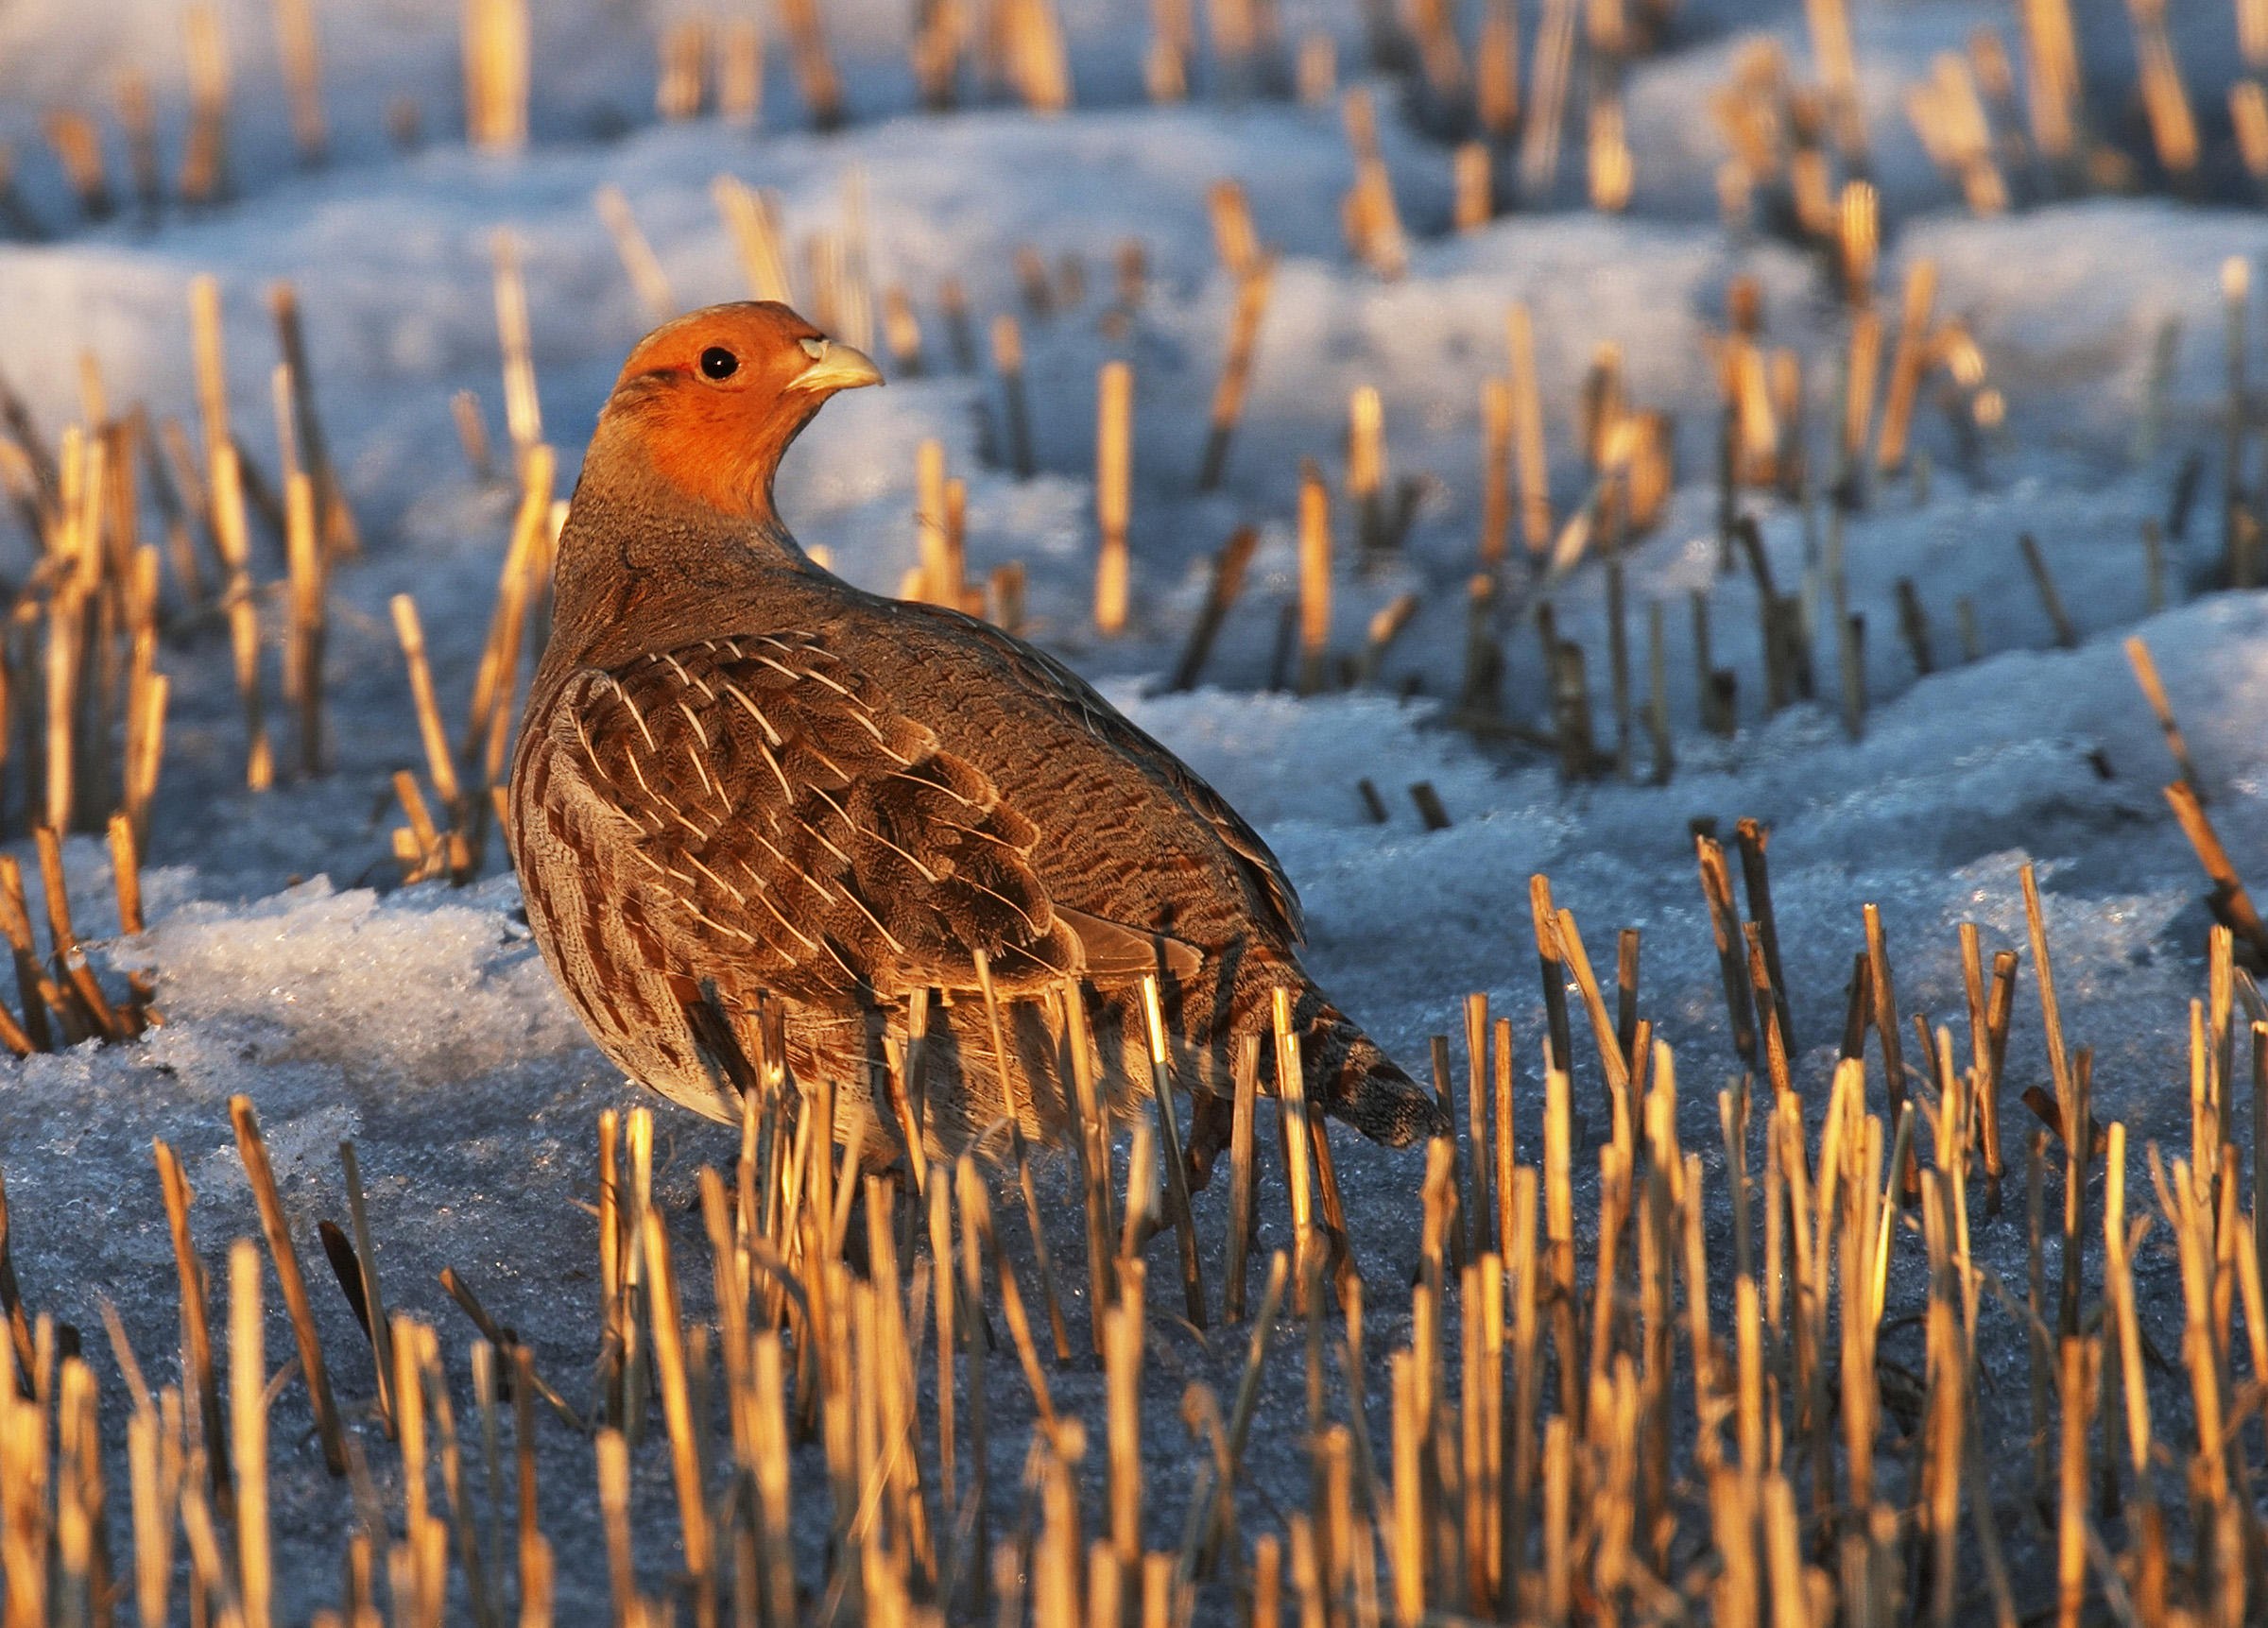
1129, 831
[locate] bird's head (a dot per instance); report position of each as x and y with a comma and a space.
708, 401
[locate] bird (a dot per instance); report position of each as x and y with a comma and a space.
770, 826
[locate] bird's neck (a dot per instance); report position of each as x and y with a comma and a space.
638, 560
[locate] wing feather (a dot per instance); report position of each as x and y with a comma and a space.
798, 835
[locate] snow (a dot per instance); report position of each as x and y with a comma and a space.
420, 1022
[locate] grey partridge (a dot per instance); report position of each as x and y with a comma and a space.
749, 798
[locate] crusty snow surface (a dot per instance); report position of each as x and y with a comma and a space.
420, 1023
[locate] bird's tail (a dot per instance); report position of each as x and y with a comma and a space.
1351, 1078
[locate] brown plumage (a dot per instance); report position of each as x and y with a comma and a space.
743, 784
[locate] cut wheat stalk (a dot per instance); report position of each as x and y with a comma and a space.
1090, 1150
205, 173
1008, 361
305, 639
1724, 922
1906, 366
639, 262
341, 536
473, 435
1253, 283
1610, 166
523, 586
1371, 218
2236, 295
21, 1361
1472, 180
740, 72
681, 79
2230, 900
38, 992
2154, 692
1550, 76
1315, 577
293, 1284
495, 50
1527, 432
1037, 60
2050, 601
994, 1018
685, 1459
1169, 1136
196, 1340
816, 74
231, 533
78, 144
248, 1418
523, 411
82, 994
752, 222
1113, 493
1226, 583
298, 44
137, 121
2165, 99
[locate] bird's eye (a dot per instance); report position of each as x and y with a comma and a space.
718, 363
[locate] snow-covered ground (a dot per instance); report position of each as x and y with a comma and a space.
420, 1022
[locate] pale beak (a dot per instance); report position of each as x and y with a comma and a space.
835, 366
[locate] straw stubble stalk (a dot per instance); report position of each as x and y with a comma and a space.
685, 1460
1041, 1256
1906, 367
495, 49
680, 82
2154, 692
2165, 99
639, 262
137, 119
1253, 282
1550, 73
81, 992
1473, 182
1169, 1135
1527, 432
522, 588
78, 143
1113, 493
1371, 218
1292, 1112
339, 534
411, 634
1315, 577
752, 222
522, 412
740, 72
2230, 900
303, 648
204, 176
254, 1150
1496, 473
1007, 360
1090, 1150
298, 43
248, 1418
1234, 237
196, 1338
1037, 60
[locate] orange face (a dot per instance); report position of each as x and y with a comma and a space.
714, 396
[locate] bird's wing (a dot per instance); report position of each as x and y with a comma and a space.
1043, 676
804, 836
